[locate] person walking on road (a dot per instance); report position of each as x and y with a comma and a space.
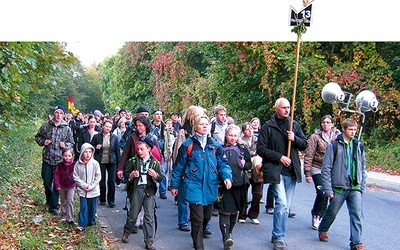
233, 200
198, 167
87, 176
142, 173
185, 131
53, 136
107, 154
279, 169
344, 179
313, 158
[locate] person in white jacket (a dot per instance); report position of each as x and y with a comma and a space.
87, 176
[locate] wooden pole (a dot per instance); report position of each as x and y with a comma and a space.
294, 91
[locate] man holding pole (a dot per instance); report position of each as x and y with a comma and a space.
279, 144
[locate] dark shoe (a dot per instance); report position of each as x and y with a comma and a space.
125, 238
280, 245
102, 203
150, 247
111, 204
71, 222
80, 230
184, 228
291, 214
207, 234
163, 196
228, 243
323, 236
53, 211
358, 247
135, 230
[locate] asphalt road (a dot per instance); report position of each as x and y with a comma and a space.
381, 225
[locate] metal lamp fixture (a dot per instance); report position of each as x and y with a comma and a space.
365, 100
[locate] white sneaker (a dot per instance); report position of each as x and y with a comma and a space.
316, 220
255, 221
242, 221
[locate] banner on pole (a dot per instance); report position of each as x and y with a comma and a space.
71, 106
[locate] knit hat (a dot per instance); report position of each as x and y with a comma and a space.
122, 110
147, 140
142, 109
59, 107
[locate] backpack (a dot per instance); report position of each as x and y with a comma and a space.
234, 155
48, 127
189, 149
157, 133
124, 138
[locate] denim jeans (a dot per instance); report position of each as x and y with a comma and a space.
321, 200
87, 211
162, 189
183, 209
283, 193
52, 195
354, 205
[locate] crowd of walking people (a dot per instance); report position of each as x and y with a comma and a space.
210, 165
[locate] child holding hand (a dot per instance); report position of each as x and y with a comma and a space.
65, 184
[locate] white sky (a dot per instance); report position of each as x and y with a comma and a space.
95, 30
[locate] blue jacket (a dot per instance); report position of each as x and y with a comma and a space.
334, 172
198, 174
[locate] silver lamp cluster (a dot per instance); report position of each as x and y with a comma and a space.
365, 100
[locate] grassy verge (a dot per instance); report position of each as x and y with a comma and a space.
24, 220
385, 158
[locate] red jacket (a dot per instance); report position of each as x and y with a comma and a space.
64, 175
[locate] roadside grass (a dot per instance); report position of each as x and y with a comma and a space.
385, 158
25, 222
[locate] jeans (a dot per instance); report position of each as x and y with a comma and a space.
321, 200
162, 189
87, 211
183, 209
354, 205
282, 193
52, 195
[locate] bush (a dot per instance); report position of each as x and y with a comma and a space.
385, 158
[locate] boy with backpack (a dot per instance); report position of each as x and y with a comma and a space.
344, 179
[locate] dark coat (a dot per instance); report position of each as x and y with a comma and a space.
114, 149
273, 143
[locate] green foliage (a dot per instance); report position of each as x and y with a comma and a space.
27, 72
247, 78
385, 158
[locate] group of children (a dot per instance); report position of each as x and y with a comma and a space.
84, 175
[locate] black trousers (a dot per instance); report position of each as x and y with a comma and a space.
199, 218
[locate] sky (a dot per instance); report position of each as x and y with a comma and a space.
95, 30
